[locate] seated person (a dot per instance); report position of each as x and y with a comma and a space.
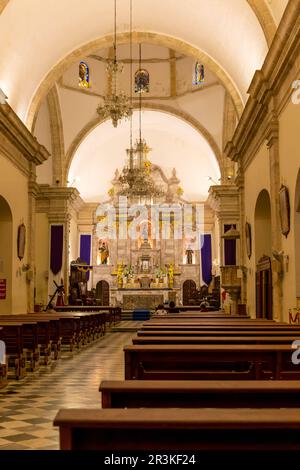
160, 310
172, 308
204, 305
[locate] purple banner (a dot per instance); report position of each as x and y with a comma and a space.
85, 250
229, 248
206, 258
56, 248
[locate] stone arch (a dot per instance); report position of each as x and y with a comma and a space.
122, 38
57, 136
262, 229
91, 125
265, 19
263, 255
6, 253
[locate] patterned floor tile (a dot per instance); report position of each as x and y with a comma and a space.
28, 406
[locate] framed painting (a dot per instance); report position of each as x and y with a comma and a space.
284, 210
21, 241
248, 238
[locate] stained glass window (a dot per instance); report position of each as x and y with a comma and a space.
84, 75
142, 81
198, 73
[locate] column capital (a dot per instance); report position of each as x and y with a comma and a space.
224, 200
272, 131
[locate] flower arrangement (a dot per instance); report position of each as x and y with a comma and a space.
128, 271
160, 273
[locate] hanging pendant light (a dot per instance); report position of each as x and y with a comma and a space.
136, 180
116, 104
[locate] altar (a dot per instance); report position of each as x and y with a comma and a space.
143, 298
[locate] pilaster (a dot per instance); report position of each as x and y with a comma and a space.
273, 146
60, 204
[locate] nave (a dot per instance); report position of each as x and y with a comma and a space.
28, 406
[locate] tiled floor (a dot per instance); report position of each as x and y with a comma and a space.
27, 407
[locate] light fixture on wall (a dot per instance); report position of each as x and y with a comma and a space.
116, 104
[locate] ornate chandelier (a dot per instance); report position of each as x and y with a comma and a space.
116, 104
136, 180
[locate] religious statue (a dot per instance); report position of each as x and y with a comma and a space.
189, 255
104, 253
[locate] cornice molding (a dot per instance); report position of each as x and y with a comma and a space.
58, 202
258, 120
224, 200
17, 143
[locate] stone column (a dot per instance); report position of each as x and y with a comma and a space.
224, 200
60, 204
273, 146
31, 273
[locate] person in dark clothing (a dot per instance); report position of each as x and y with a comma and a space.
172, 308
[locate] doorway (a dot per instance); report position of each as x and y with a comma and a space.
102, 293
189, 291
263, 253
5, 257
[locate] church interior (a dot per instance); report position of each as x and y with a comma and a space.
150, 225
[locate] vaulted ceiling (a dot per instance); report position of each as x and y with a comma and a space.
42, 42
38, 40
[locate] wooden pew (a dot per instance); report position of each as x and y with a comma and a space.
214, 339
157, 429
204, 362
43, 333
219, 327
29, 331
211, 332
200, 394
3, 366
13, 338
206, 315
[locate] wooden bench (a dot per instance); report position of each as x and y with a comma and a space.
204, 362
3, 366
44, 336
13, 337
157, 429
200, 394
200, 316
219, 327
214, 339
211, 332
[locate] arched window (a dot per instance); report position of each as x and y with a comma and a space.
142, 81
84, 75
198, 73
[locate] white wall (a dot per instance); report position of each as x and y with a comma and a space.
257, 178
289, 144
13, 187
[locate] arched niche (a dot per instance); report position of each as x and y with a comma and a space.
262, 219
263, 252
5, 257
